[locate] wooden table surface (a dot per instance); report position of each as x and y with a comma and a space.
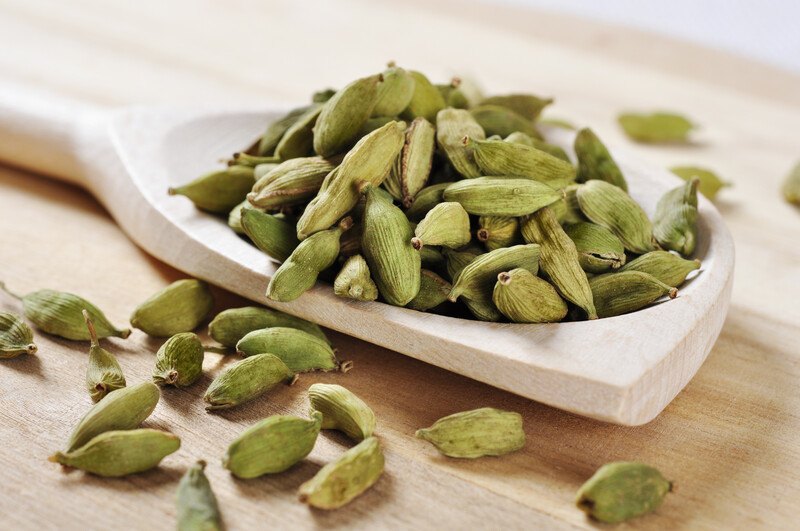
730, 440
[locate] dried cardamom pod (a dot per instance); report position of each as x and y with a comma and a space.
342, 410
180, 307
498, 231
657, 127
179, 361
425, 200
525, 298
120, 453
369, 161
272, 445
375, 123
558, 122
235, 217
667, 267
426, 102
354, 280
446, 224
196, 504
229, 326
498, 120
412, 167
598, 249
595, 162
497, 157
521, 138
433, 291
262, 169
501, 196
710, 184
432, 257
675, 220
103, 374
298, 140
394, 91
321, 96
245, 159
123, 409
219, 191
622, 490
526, 105
628, 291
481, 305
292, 182
567, 209
245, 380
791, 187
300, 351
456, 261
386, 244
61, 314
16, 337
276, 130
299, 272
477, 279
452, 125
343, 116
341, 481
476, 433
611, 207
272, 235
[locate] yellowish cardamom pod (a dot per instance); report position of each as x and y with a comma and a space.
501, 196
657, 127
16, 337
452, 125
501, 121
271, 234
195, 502
354, 280
394, 92
675, 220
426, 102
498, 231
710, 183
180, 307
179, 361
433, 291
103, 374
525, 298
628, 291
292, 182
667, 267
446, 224
476, 433
229, 326
342, 410
299, 350
599, 250
343, 116
246, 380
595, 162
219, 191
412, 167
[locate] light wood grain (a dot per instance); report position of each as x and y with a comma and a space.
730, 439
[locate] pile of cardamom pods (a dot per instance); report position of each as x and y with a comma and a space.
436, 198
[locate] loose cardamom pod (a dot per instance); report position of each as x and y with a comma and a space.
446, 224
433, 291
657, 127
245, 380
667, 267
426, 102
526, 105
300, 351
525, 298
394, 92
595, 162
272, 445
354, 280
675, 220
341, 481
476, 433
292, 182
412, 167
121, 453
179, 361
180, 307
622, 490
558, 122
61, 314
425, 200
274, 236
219, 191
342, 410
229, 326
196, 504
498, 120
598, 249
791, 187
522, 138
269, 140
497, 157
628, 291
501, 196
343, 116
16, 337
452, 125
103, 374
710, 183
498, 231
477, 279
298, 140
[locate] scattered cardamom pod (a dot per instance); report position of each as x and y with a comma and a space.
343, 116
394, 92
426, 101
16, 337
219, 191
354, 280
498, 231
179, 361
412, 167
274, 236
525, 298
196, 504
245, 380
452, 125
599, 251
628, 291
342, 410
710, 183
229, 326
103, 374
667, 267
791, 188
497, 157
476, 433
501, 196
499, 120
657, 127
433, 291
180, 307
595, 162
446, 224
299, 350
675, 220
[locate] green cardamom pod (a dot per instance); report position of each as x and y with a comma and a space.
476, 433
599, 251
499, 120
446, 224
103, 374
667, 267
595, 162
341, 481
298, 140
675, 220
456, 261
498, 231
433, 291
481, 306
300, 351
179, 361
262, 169
61, 314
432, 257
425, 200
343, 116
269, 140
386, 244
235, 217
426, 102
245, 380
321, 96
628, 291
274, 236
791, 187
412, 167
354, 280
501, 196
477, 279
567, 209
272, 445
375, 123
292, 182
229, 326
342, 410
558, 122
611, 207
525, 298
710, 183
622, 490
521, 138
394, 92
452, 125
120, 453
497, 157
180, 307
245, 159
299, 272
454, 96
526, 105
657, 127
16, 337
219, 191
123, 409
196, 504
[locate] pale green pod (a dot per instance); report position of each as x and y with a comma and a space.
262, 169
498, 231
120, 453
298, 140
394, 92
179, 361
627, 291
300, 351
710, 183
481, 305
343, 116
272, 445
499, 120
558, 122
354, 281
412, 167
195, 502
622, 490
454, 96
16, 337
433, 291
595, 162
525, 298
219, 191
675, 220
275, 131
274, 236
497, 157
292, 182
235, 217
103, 373
452, 125
425, 200
599, 251
245, 380
446, 224
657, 127
457, 260
501, 196
180, 307
321, 96
476, 433
123, 409
229, 326
521, 138
667, 267
342, 410
426, 102
526, 105
341, 481
477, 279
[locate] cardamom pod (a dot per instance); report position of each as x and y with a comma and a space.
433, 291
525, 298
453, 95
180, 307
235, 217
477, 279
179, 361
120, 453
196, 504
667, 267
263, 169
412, 167
342, 410
245, 159
558, 122
526, 105
710, 183
229, 326
567, 209
446, 224
498, 120
501, 196
269, 140
272, 445
343, 116
219, 191
394, 92
16, 337
273, 235
498, 231
628, 291
482, 306
452, 125
622, 490
321, 96
103, 374
791, 187
341, 481
432, 257
456, 261
300, 351
657, 127
675, 220
598, 249
595, 162
292, 182
425, 200
476, 433
498, 157
245, 380
521, 138
354, 280
375, 123
298, 140
426, 102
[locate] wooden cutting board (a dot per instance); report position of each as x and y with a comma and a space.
731, 440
